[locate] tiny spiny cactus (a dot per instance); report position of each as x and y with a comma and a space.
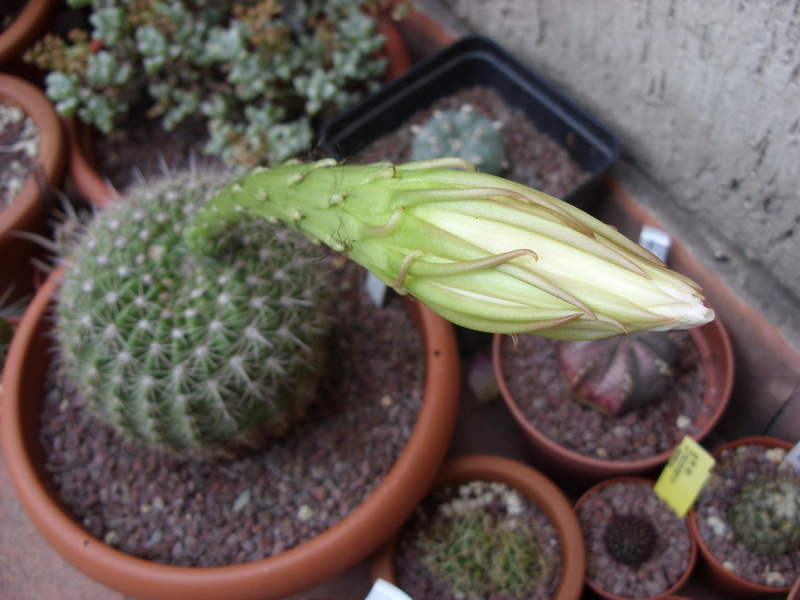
463, 133
202, 354
765, 514
480, 552
630, 539
614, 375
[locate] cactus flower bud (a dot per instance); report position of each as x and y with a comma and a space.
479, 250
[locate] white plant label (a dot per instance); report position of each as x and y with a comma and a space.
383, 590
793, 457
655, 240
376, 289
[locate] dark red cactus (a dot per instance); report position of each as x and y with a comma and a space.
621, 373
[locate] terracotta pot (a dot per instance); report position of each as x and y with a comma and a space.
719, 577
28, 211
716, 354
607, 594
26, 28
96, 189
536, 487
794, 593
290, 572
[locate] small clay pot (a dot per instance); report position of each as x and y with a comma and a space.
720, 578
534, 486
573, 468
596, 586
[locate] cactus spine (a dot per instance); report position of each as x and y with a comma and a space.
765, 514
618, 374
200, 354
464, 134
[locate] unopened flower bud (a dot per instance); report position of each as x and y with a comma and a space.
479, 250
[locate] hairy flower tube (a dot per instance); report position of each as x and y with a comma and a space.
479, 250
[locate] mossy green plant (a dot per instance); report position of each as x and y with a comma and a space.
765, 514
462, 133
480, 549
202, 354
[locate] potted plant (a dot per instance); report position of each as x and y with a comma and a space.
34, 158
546, 141
491, 526
242, 83
22, 23
635, 396
747, 518
178, 419
636, 545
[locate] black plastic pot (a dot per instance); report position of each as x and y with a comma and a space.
472, 61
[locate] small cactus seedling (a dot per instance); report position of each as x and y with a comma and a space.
614, 375
480, 552
765, 514
464, 134
202, 354
630, 539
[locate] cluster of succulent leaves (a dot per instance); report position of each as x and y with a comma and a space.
261, 73
198, 354
765, 514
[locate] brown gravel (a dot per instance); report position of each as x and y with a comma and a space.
735, 467
176, 512
534, 159
535, 380
671, 553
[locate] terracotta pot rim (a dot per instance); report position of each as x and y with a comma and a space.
692, 559
26, 208
365, 528
24, 29
733, 579
537, 487
718, 390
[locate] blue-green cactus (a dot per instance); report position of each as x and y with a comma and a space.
201, 354
462, 133
765, 515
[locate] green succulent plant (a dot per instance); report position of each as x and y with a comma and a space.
480, 553
462, 133
261, 74
765, 514
614, 375
200, 354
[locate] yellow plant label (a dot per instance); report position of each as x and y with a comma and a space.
684, 475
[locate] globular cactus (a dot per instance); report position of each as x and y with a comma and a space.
765, 514
630, 539
200, 354
464, 134
614, 375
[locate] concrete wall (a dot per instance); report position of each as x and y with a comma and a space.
705, 97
